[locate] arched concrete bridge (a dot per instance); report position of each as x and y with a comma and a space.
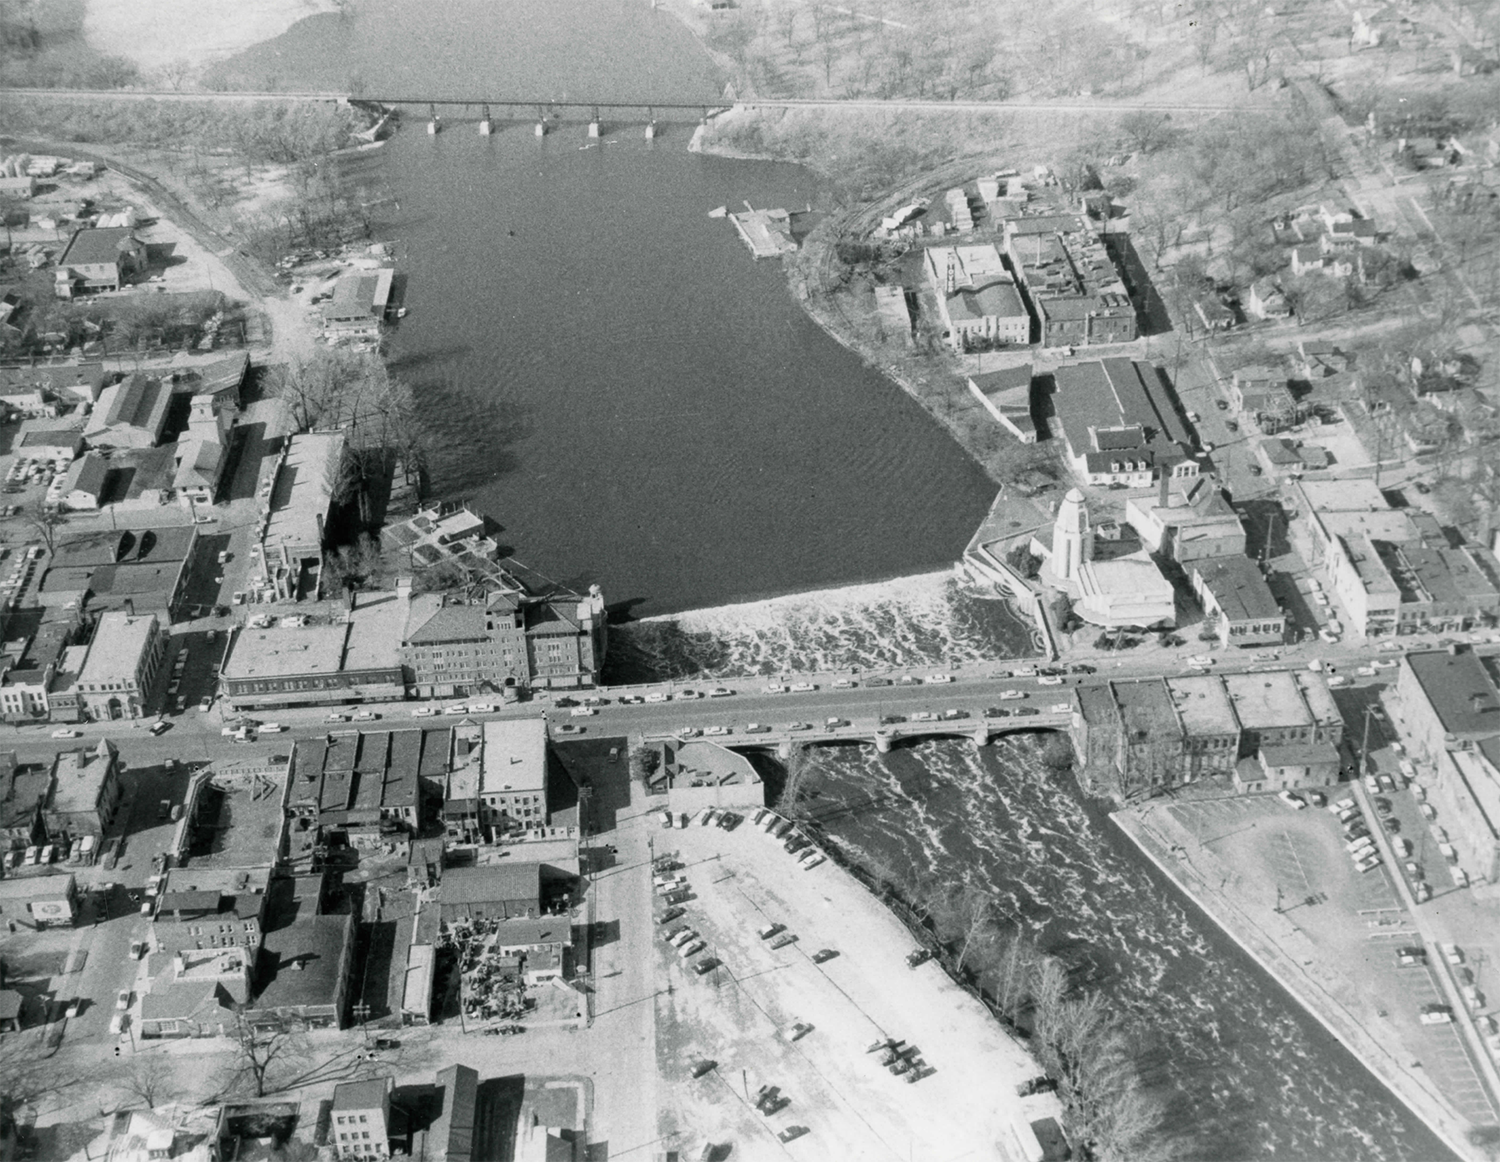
981, 729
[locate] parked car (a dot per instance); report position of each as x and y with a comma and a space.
823, 955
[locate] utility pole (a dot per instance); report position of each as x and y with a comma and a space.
1364, 746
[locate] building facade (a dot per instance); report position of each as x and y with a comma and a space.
361, 1119
124, 666
505, 640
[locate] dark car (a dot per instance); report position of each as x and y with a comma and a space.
1422, 487
1082, 668
918, 956
729, 820
792, 1133
1231, 425
706, 965
1391, 824
161, 726
877, 681
997, 712
387, 1043
891, 719
565, 702
1383, 806
1222, 404
703, 1067
822, 955
1026, 711
671, 914
1050, 671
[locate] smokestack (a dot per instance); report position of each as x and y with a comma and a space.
1166, 488
129, 607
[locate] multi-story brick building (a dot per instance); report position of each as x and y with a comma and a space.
508, 639
123, 667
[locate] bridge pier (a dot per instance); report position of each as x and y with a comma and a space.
981, 737
486, 123
784, 750
882, 742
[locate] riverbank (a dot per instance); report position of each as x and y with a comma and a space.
1297, 963
841, 301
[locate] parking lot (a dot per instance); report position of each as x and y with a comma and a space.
1294, 864
742, 1015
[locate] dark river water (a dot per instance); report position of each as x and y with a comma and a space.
606, 372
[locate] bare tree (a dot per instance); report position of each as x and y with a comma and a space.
148, 1078
793, 800
261, 1054
175, 73
45, 525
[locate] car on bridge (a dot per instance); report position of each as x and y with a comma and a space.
924, 716
891, 719
804, 687
937, 679
716, 731
799, 726
775, 688
721, 692
757, 728
688, 695
1011, 695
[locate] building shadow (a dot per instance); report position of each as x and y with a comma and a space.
496, 1117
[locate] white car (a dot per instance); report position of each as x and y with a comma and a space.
937, 679
718, 730
459, 709
1385, 663
775, 688
721, 692
1011, 695
1060, 708
423, 712
66, 733
583, 712
1366, 671
1049, 680
1338, 682
1295, 802
1200, 660
803, 687
1389, 648
271, 728
482, 708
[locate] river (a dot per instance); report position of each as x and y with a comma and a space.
605, 371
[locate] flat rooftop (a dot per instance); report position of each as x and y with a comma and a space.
79, 778
1350, 495
302, 496
1203, 705
1460, 690
515, 756
118, 644
377, 622
1267, 700
279, 652
1145, 704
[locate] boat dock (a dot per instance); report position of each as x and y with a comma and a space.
768, 233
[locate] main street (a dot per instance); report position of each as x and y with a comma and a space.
196, 735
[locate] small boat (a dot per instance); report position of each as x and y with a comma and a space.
400, 312
718, 212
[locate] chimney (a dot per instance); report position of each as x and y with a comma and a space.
1166, 488
129, 607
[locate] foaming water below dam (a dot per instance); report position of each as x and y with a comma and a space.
1245, 1073
926, 620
